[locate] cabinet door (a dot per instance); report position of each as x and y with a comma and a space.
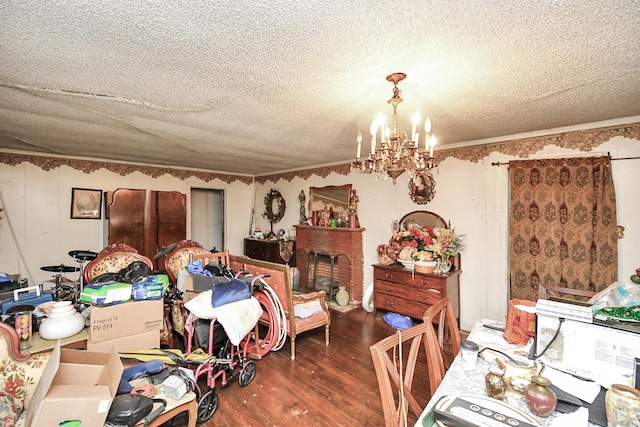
126, 213
172, 218
147, 220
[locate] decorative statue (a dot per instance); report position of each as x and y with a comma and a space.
303, 215
354, 222
353, 202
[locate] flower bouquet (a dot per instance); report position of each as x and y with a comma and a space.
446, 244
421, 245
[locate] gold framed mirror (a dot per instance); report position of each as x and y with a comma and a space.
334, 198
422, 189
423, 219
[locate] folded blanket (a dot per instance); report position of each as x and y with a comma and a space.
307, 308
237, 318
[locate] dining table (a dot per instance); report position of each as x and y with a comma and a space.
464, 379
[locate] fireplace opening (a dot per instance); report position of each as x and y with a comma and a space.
326, 272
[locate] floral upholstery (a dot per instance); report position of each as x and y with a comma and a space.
176, 260
180, 257
112, 259
19, 376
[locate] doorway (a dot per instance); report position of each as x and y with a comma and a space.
207, 218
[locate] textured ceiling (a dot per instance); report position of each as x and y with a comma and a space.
268, 86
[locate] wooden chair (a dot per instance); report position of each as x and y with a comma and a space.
395, 359
568, 295
23, 370
440, 313
280, 282
217, 257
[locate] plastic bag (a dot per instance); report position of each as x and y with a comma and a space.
398, 321
618, 294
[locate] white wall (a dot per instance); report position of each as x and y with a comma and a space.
473, 196
37, 207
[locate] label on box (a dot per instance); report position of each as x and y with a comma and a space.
126, 319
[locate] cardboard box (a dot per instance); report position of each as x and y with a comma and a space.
126, 319
75, 385
143, 341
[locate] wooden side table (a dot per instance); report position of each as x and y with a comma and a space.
39, 344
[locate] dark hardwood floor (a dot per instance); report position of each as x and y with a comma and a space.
324, 386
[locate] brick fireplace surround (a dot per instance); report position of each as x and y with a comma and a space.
349, 269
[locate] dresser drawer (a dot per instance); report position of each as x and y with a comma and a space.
389, 275
409, 293
405, 276
400, 305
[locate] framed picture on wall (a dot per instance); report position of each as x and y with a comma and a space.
86, 203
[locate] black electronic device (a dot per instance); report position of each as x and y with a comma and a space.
467, 410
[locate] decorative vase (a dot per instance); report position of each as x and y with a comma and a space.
442, 267
622, 406
352, 220
342, 296
63, 321
541, 400
495, 383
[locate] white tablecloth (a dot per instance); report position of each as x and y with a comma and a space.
470, 380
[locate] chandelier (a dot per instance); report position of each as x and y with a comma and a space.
396, 152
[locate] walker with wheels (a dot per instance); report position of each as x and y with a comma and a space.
223, 360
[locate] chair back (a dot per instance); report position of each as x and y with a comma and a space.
112, 259
568, 295
209, 257
441, 314
394, 359
180, 256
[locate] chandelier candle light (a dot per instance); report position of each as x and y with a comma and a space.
397, 153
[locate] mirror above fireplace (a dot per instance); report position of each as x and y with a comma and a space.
334, 197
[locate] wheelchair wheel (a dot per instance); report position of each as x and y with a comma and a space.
247, 373
207, 406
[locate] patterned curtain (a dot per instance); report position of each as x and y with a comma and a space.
563, 225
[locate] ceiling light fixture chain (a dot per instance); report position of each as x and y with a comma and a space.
396, 152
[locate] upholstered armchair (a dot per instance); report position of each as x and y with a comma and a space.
19, 375
175, 261
112, 259
180, 256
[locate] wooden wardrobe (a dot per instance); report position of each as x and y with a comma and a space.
145, 219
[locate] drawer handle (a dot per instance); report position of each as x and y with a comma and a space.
434, 290
388, 276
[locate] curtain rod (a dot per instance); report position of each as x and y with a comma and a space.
617, 158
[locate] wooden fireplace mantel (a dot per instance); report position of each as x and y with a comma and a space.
334, 241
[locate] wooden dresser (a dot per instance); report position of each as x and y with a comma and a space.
266, 250
402, 291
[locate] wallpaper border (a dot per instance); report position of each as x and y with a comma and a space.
583, 140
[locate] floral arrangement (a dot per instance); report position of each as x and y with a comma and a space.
447, 243
422, 244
